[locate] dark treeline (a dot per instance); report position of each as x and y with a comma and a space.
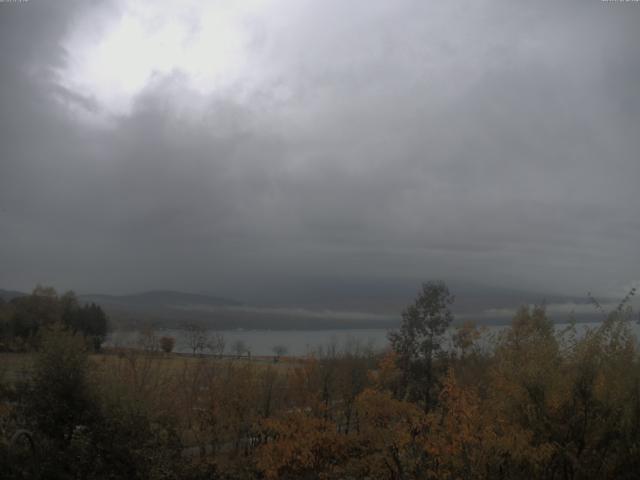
539, 404
22, 318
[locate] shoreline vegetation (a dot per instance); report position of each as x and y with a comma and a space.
541, 403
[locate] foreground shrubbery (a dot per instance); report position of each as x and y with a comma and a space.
537, 404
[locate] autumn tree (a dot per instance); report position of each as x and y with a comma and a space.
300, 446
351, 378
460, 436
387, 376
465, 338
270, 390
389, 438
240, 404
307, 384
420, 338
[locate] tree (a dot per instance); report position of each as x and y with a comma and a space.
89, 320
59, 398
217, 344
167, 344
389, 438
41, 308
6, 314
93, 324
419, 339
196, 337
239, 348
147, 339
278, 351
465, 338
303, 446
85, 426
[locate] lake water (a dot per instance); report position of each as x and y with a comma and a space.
261, 342
299, 342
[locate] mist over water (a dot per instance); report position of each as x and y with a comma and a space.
310, 342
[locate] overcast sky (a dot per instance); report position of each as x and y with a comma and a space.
239, 148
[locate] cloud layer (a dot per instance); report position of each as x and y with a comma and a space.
487, 142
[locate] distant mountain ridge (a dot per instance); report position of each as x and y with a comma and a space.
7, 295
162, 298
322, 307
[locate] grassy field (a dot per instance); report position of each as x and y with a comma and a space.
18, 366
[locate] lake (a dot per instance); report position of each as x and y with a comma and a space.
261, 342
300, 342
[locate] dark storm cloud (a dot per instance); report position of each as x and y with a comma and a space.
491, 142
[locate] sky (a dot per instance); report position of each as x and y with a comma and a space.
262, 149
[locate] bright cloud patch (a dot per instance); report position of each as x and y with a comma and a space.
205, 43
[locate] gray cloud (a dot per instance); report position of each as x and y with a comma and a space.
490, 142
